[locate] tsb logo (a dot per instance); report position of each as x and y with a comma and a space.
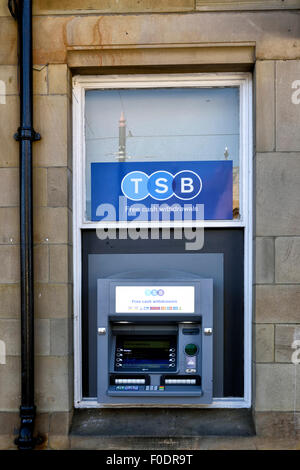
154, 292
161, 185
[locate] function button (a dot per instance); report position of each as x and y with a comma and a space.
190, 362
172, 355
172, 349
119, 359
172, 365
118, 364
172, 359
119, 349
119, 354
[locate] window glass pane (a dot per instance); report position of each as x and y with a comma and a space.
162, 124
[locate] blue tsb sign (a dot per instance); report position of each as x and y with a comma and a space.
150, 188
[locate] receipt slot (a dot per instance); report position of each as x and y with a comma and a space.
155, 341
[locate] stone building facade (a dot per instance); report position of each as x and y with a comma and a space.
149, 36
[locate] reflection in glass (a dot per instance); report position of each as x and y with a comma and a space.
163, 124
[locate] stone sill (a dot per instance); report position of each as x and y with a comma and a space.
162, 423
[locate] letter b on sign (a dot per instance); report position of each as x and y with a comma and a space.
187, 185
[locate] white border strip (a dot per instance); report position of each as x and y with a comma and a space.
82, 83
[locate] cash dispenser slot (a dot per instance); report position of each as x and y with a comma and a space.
180, 380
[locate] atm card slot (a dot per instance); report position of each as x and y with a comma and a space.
122, 379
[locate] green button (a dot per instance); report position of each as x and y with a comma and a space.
191, 349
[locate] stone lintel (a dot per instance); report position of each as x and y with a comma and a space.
161, 55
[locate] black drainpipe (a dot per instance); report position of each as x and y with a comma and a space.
22, 12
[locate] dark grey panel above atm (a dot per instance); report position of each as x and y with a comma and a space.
227, 242
171, 266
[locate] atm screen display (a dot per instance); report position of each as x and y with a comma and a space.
145, 353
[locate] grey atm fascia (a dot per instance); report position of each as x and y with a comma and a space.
108, 323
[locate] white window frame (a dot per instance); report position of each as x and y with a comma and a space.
244, 82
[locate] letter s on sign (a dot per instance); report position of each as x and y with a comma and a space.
161, 183
296, 93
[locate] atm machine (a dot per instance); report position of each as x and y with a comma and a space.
155, 341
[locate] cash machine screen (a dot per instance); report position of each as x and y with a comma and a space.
145, 353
